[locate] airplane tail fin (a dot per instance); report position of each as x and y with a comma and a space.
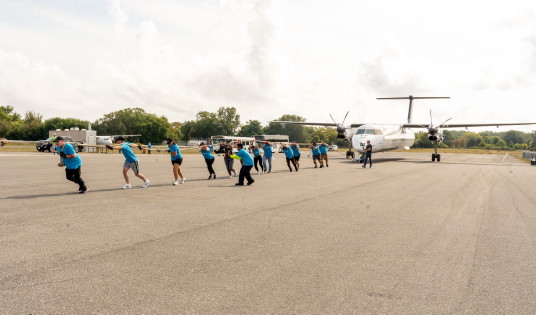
410, 98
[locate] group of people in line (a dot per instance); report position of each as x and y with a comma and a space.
262, 163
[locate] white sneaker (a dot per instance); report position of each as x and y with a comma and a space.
145, 184
258, 173
230, 176
127, 186
183, 180
175, 183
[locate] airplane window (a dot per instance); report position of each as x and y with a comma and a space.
378, 132
360, 131
370, 132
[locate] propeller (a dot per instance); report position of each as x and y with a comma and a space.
433, 131
340, 127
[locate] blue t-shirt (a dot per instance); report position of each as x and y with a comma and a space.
175, 148
288, 153
71, 164
323, 149
295, 150
246, 158
267, 150
207, 154
127, 152
315, 151
256, 152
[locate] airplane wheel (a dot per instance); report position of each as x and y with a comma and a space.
438, 157
433, 157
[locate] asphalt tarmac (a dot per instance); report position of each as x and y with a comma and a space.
407, 236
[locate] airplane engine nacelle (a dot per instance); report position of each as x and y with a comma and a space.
341, 136
435, 137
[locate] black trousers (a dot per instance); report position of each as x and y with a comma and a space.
258, 159
293, 163
244, 173
229, 165
74, 176
209, 165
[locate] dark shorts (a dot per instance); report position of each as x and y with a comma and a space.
177, 161
297, 157
316, 157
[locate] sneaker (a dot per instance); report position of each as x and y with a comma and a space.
258, 173
238, 184
363, 166
327, 165
230, 176
145, 184
175, 183
127, 186
210, 176
321, 166
183, 180
251, 182
214, 176
83, 191
316, 166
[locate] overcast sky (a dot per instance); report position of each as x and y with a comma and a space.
87, 58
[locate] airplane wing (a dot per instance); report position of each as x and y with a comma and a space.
466, 125
304, 123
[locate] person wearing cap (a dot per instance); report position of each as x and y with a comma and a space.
149, 147
247, 164
72, 162
227, 159
296, 150
206, 150
368, 155
131, 161
176, 161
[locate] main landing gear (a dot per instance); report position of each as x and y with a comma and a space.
436, 157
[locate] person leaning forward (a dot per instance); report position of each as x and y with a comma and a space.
72, 162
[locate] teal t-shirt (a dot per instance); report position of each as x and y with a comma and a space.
207, 154
127, 152
288, 153
175, 148
256, 152
71, 164
323, 149
246, 158
267, 150
295, 150
315, 151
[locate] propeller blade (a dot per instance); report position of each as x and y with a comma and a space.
431, 122
444, 122
345, 117
333, 119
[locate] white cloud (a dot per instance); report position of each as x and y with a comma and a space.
268, 58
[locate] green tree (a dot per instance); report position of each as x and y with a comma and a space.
228, 121
62, 123
512, 137
326, 134
186, 128
502, 144
295, 132
472, 139
30, 128
421, 140
251, 128
134, 121
9, 121
205, 126
175, 131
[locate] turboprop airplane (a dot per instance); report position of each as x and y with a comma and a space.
387, 137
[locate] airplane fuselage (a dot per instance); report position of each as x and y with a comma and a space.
382, 137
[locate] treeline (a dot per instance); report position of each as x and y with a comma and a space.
226, 121
154, 128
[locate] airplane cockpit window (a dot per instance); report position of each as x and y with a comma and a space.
369, 132
360, 131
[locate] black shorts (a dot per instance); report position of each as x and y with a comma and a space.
177, 161
316, 157
297, 157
